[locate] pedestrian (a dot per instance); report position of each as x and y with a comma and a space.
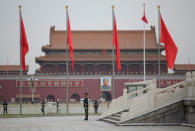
95, 105
57, 106
43, 107
85, 104
5, 107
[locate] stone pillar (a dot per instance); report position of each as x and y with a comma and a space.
151, 93
190, 90
193, 83
124, 91
125, 96
193, 76
188, 75
189, 102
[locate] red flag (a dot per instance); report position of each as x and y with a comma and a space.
69, 40
170, 46
24, 43
115, 42
144, 19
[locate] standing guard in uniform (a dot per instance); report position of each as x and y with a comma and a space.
85, 104
5, 107
43, 107
57, 106
95, 105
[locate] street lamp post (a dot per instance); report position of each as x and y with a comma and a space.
33, 87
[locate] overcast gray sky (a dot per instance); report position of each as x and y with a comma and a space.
39, 15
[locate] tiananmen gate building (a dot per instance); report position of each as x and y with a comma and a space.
93, 63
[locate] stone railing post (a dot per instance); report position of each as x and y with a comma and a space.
189, 102
190, 77
152, 93
193, 76
193, 83
125, 96
124, 91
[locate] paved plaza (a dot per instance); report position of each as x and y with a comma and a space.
69, 123
74, 123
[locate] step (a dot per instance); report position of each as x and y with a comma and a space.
117, 115
150, 124
114, 118
125, 110
110, 120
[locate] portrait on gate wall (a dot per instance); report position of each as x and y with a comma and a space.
105, 84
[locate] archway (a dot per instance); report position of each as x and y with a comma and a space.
75, 97
106, 95
50, 98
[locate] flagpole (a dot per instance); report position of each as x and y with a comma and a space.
144, 49
113, 54
189, 64
7, 67
67, 103
159, 31
20, 60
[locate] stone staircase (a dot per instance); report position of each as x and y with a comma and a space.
172, 113
151, 105
114, 118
